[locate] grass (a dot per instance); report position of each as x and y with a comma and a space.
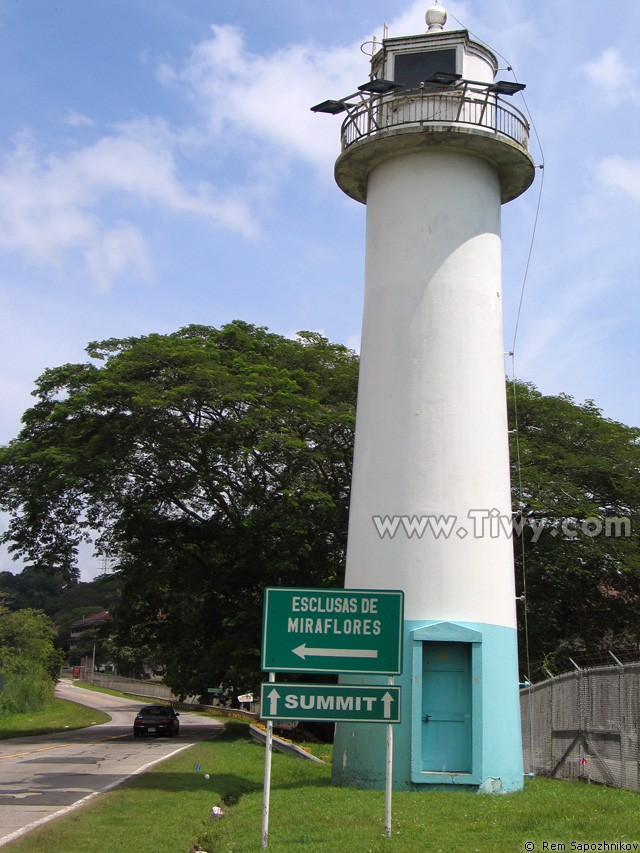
98, 689
59, 716
168, 810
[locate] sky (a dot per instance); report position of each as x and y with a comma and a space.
160, 166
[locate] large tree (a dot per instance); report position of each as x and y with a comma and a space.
213, 462
576, 499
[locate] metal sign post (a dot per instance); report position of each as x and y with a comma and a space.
388, 789
335, 631
266, 794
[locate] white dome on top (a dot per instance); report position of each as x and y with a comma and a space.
436, 17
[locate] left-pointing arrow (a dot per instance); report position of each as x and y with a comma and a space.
273, 701
303, 652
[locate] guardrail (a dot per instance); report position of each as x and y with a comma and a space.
149, 691
219, 710
282, 744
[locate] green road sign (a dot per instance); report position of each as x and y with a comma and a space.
332, 630
214, 689
331, 702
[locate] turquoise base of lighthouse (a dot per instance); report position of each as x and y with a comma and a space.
464, 677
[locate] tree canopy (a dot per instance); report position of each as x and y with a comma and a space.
210, 463
62, 602
213, 462
576, 495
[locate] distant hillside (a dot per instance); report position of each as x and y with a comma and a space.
63, 603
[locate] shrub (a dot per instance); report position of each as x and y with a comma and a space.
26, 691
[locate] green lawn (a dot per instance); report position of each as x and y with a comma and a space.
60, 715
168, 810
98, 688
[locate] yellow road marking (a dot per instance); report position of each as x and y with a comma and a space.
57, 746
60, 746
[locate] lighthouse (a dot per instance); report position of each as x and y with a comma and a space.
433, 146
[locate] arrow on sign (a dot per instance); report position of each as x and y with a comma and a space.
273, 701
386, 700
303, 652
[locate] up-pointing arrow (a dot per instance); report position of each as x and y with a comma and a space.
387, 699
303, 652
273, 699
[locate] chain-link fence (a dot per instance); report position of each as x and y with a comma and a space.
584, 725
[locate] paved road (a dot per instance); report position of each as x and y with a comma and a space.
47, 776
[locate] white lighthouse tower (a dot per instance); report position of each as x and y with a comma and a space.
433, 148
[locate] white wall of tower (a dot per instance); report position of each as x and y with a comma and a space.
431, 435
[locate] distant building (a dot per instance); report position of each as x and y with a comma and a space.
87, 623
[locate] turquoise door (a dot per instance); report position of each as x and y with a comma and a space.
446, 707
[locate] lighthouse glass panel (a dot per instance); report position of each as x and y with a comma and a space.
412, 69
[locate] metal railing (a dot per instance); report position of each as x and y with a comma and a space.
462, 107
157, 691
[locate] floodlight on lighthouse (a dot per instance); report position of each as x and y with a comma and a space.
331, 107
505, 87
379, 87
446, 78
373, 87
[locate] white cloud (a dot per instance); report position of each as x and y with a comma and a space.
112, 252
410, 21
139, 160
616, 79
353, 342
269, 97
245, 95
622, 174
552, 342
75, 119
607, 70
50, 205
